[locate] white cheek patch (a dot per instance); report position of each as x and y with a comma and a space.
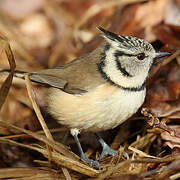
115, 75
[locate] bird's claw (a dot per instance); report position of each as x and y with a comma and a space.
91, 162
107, 151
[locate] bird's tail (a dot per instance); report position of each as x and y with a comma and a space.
18, 74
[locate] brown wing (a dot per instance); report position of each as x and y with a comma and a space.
76, 77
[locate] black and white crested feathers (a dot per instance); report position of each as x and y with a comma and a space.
125, 42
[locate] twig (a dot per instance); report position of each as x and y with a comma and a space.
62, 156
152, 120
173, 166
170, 58
141, 153
113, 169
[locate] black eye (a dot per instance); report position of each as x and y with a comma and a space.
141, 56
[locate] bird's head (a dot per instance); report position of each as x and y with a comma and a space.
126, 60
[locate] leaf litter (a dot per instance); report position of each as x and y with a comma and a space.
56, 36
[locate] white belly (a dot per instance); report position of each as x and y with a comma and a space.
103, 108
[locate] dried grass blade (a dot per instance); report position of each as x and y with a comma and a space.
39, 115
141, 153
43, 124
66, 173
58, 158
113, 169
36, 109
56, 145
29, 173
7, 83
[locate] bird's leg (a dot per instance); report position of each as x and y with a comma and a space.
83, 156
106, 150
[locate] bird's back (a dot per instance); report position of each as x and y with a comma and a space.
80, 74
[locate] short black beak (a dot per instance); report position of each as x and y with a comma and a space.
161, 54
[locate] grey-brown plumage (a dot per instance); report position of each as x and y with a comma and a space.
100, 90
77, 76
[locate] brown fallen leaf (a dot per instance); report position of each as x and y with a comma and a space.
164, 92
172, 141
165, 35
149, 15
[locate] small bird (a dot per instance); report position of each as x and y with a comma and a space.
100, 90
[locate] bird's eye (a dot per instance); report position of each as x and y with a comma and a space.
141, 56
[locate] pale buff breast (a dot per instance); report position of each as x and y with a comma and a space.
102, 108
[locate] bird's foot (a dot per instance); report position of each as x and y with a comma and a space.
91, 162
107, 151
